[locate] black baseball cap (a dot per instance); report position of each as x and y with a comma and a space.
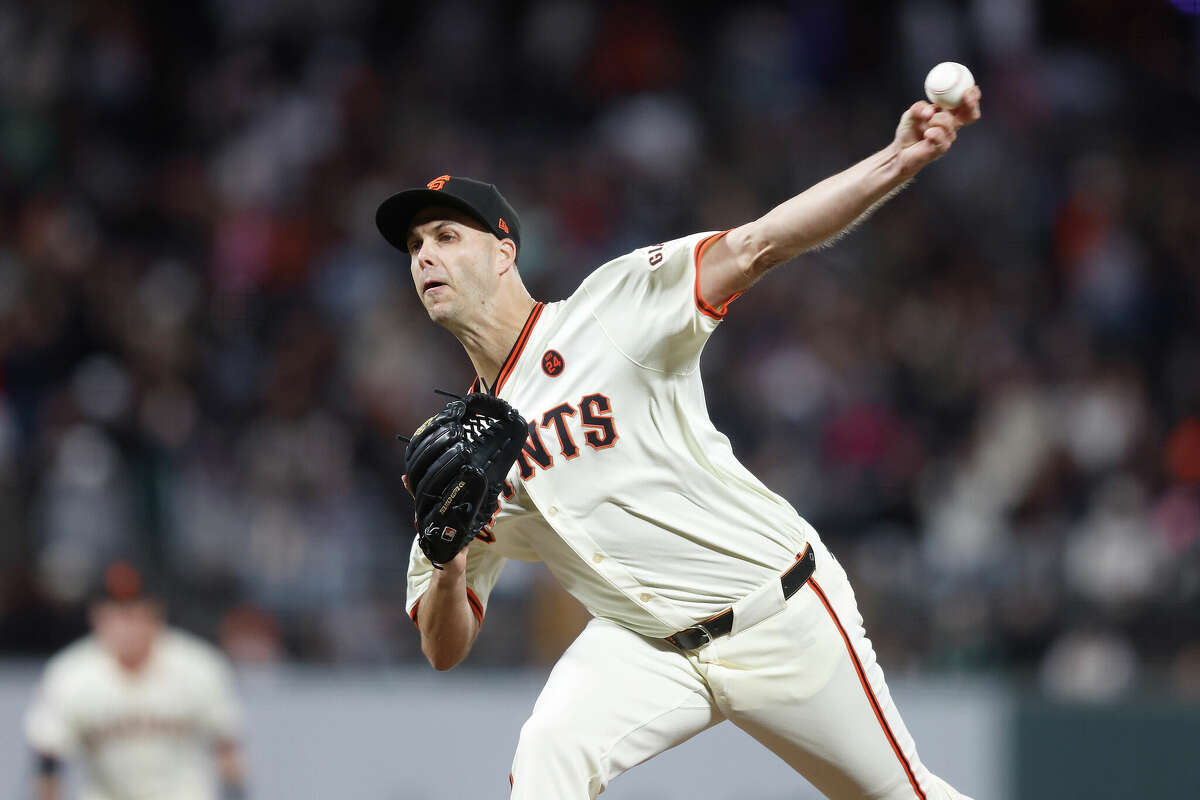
480, 200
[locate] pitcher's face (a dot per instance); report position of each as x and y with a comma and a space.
452, 263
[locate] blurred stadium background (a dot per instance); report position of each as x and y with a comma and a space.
987, 399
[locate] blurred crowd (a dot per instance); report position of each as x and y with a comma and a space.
986, 398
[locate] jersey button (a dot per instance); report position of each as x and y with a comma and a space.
598, 557
552, 510
645, 597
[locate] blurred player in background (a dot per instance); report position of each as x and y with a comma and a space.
145, 707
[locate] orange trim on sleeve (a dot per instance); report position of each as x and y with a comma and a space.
472, 601
413, 613
476, 606
705, 308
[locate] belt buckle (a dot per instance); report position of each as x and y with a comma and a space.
708, 637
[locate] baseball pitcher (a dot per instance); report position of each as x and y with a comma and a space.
585, 443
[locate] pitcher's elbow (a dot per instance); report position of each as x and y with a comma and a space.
443, 659
444, 664
756, 253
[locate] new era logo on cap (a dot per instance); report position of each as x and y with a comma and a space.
482, 201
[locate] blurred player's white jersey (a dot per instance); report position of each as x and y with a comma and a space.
142, 735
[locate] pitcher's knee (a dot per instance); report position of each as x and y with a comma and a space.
554, 743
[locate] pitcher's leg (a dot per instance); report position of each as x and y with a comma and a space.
613, 700
822, 703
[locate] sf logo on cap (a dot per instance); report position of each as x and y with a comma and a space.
438, 182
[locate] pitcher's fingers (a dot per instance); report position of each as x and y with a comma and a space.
968, 110
941, 138
944, 119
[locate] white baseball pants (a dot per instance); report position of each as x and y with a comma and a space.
804, 682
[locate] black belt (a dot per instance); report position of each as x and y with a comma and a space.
704, 632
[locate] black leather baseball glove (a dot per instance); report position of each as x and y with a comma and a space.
455, 465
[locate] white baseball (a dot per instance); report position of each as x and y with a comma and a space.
946, 83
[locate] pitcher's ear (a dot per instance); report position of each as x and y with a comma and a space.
509, 250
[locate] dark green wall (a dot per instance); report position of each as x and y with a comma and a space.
1139, 749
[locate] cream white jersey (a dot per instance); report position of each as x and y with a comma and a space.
139, 735
625, 489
